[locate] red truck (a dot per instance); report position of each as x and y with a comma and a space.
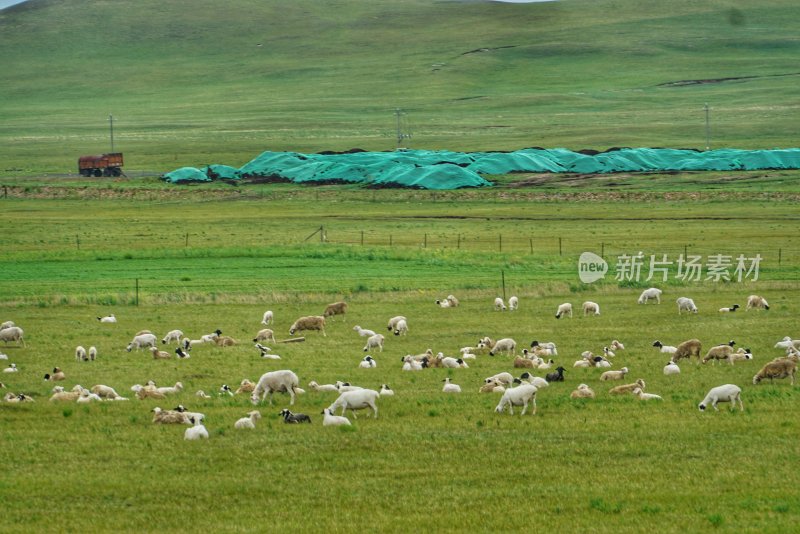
103, 165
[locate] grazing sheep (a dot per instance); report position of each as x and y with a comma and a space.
687, 349
106, 392
92, 353
249, 421
546, 364
171, 390
449, 387
778, 368
518, 396
179, 352
726, 393
590, 307
142, 341
564, 309
617, 345
583, 391
650, 294
80, 353
367, 363
168, 417
501, 378
614, 375
337, 308
245, 386
283, 381
627, 388
267, 319
12, 368
386, 391
401, 328
321, 387
410, 364
265, 334
685, 304
172, 335
513, 303
756, 302
375, 341
558, 376
160, 354
12, 333
645, 396
666, 349
499, 305
363, 332
57, 375
394, 320
108, 318
311, 322
198, 431
671, 369
731, 309
719, 352
356, 400
507, 345
334, 420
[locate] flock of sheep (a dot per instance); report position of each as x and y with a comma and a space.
515, 391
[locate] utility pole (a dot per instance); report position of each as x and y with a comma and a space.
708, 129
398, 113
111, 128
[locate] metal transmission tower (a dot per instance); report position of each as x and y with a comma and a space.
399, 114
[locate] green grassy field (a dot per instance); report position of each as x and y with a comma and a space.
192, 83
430, 461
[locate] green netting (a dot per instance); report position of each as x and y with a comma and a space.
428, 169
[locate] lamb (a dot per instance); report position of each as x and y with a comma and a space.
3, 356
725, 393
199, 417
558, 376
671, 368
608, 353
627, 388
202, 394
645, 396
499, 305
756, 302
249, 421
614, 375
537, 381
267, 319
590, 307
337, 308
92, 353
245, 386
778, 368
171, 390
386, 391
524, 363
545, 348
172, 335
449, 302
160, 354
410, 364
506, 345
731, 309
80, 353
501, 378
449, 387
266, 352
12, 368
787, 342
719, 352
564, 309
7, 324
181, 354
513, 303
518, 396
401, 328
492, 387
343, 387
14, 398
687, 349
195, 432
224, 341
69, 396
449, 362
394, 320
363, 332
265, 334
617, 345
106, 392
311, 322
583, 391
283, 381
666, 349
108, 318
87, 396
649, 294
375, 341
12, 333
321, 387
58, 374
367, 363
142, 341
334, 420
741, 354
356, 400
149, 392
168, 417
443, 303
685, 304
225, 389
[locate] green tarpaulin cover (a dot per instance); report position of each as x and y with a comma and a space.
427, 169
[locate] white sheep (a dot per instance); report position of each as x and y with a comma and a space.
666, 349
160, 354
171, 390
583, 391
267, 319
202, 394
544, 348
284, 381
671, 368
393, 322
106, 392
142, 341
449, 362
343, 387
637, 392
108, 318
356, 400
92, 353
590, 307
617, 345
197, 431
321, 387
649, 294
249, 421
368, 362
7, 324
608, 353
503, 378
726, 393
513, 303
499, 305
449, 387
564, 309
311, 322
729, 309
80, 353
167, 417
518, 396
410, 364
199, 417
386, 391
172, 335
787, 342
87, 396
12, 333
614, 375
333, 420
401, 327
756, 302
528, 378
741, 354
507, 345
3, 356
363, 332
443, 303
374, 341
685, 304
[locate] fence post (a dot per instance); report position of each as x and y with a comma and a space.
425, 242
559, 246
390, 240
187, 239
362, 238
458, 243
603, 250
779, 256
78, 241
501, 242
531, 240
503, 278
137, 292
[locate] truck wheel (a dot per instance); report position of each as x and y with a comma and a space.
98, 173
115, 171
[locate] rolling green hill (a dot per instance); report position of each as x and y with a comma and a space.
196, 82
